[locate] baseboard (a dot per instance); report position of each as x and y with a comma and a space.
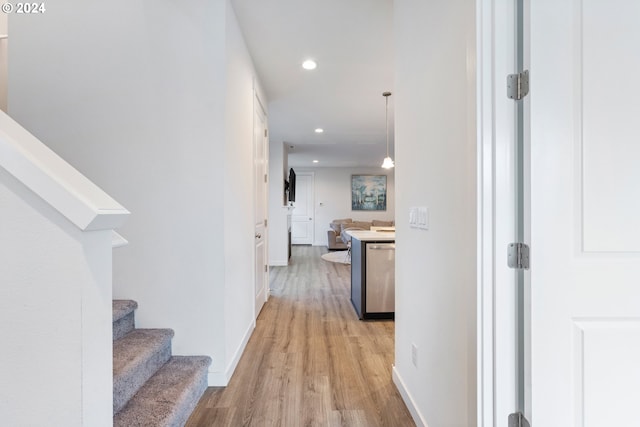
217, 379
238, 354
278, 263
408, 400
221, 379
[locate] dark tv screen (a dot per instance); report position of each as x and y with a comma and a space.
292, 185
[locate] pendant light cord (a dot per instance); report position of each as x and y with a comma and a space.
386, 119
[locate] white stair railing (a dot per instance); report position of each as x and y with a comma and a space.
56, 243
56, 181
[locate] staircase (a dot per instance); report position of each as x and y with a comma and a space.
150, 386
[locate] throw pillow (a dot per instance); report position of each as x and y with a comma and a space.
342, 221
361, 224
336, 224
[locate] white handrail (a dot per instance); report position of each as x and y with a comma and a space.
56, 181
117, 241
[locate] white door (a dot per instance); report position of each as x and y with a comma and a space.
302, 217
260, 153
585, 213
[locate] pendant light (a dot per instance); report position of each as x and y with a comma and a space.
387, 163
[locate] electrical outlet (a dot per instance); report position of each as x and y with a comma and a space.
414, 354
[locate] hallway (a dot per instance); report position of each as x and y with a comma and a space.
310, 361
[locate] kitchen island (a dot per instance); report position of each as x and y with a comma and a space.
373, 273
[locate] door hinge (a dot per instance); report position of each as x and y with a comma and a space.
265, 177
518, 256
266, 268
265, 222
518, 420
518, 85
265, 133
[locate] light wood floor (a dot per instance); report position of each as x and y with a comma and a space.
310, 361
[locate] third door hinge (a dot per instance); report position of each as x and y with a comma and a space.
265, 222
266, 268
518, 85
265, 177
518, 420
265, 133
518, 256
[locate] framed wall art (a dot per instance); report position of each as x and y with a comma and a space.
369, 192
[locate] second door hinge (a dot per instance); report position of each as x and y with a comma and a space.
266, 268
518, 420
265, 222
265, 133
518, 85
518, 256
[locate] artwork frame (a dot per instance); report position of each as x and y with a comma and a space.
368, 192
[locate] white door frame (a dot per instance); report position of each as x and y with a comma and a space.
496, 322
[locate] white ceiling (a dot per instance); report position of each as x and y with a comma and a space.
351, 40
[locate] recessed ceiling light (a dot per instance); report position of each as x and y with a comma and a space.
319, 130
315, 161
309, 64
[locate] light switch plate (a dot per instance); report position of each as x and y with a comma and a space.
413, 217
419, 217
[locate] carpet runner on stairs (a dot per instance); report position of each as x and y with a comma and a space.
150, 386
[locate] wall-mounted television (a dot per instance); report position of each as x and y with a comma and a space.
292, 185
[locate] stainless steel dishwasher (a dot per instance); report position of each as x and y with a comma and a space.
380, 277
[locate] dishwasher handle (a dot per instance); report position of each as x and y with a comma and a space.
387, 247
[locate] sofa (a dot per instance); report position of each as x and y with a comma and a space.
337, 240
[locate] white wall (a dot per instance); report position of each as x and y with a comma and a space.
436, 167
55, 308
139, 106
333, 191
4, 44
278, 211
238, 195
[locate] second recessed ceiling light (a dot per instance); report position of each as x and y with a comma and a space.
309, 64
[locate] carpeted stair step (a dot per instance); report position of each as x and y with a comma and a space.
136, 357
123, 317
169, 397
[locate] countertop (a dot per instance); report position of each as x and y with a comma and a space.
376, 236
